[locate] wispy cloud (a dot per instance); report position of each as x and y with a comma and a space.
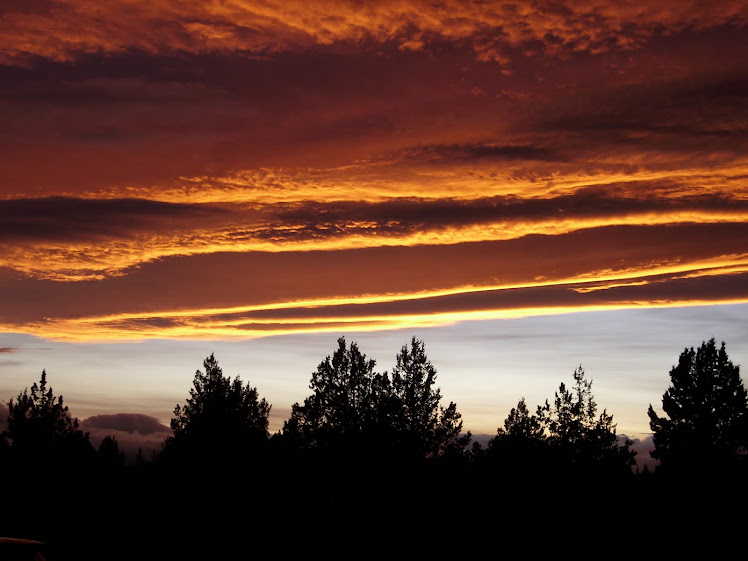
72, 28
219, 169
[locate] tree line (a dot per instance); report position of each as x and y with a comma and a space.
365, 442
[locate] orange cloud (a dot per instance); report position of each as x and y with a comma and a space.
602, 268
72, 27
125, 238
211, 169
323, 316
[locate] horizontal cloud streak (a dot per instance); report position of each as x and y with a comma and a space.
65, 219
71, 27
654, 291
69, 239
262, 293
232, 169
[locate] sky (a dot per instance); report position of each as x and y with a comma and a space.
527, 187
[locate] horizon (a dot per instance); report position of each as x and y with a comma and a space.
628, 363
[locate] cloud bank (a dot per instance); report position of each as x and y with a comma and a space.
238, 169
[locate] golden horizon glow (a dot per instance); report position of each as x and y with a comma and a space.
363, 324
123, 326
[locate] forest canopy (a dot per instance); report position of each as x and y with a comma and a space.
364, 442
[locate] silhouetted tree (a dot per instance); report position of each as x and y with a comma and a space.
362, 432
353, 404
565, 447
573, 427
521, 424
42, 434
422, 423
706, 408
110, 458
347, 396
221, 417
516, 463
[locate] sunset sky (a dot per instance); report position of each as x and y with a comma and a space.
526, 186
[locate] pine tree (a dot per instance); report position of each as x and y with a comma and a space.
574, 428
520, 424
419, 418
347, 396
352, 405
221, 418
42, 435
706, 411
